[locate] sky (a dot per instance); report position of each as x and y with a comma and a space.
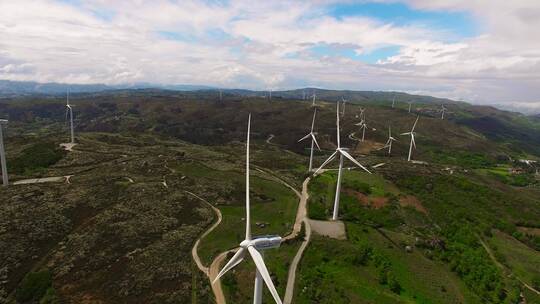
480, 51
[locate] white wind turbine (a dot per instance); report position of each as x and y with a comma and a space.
344, 102
313, 140
70, 110
410, 105
389, 141
363, 126
393, 101
342, 152
253, 245
443, 110
5, 180
362, 114
313, 99
413, 143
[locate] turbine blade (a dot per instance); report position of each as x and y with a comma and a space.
304, 137
248, 215
413, 142
329, 159
313, 121
337, 125
347, 155
407, 133
235, 260
259, 262
414, 126
315, 140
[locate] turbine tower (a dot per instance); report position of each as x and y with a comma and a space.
343, 110
253, 246
5, 180
313, 100
393, 101
342, 153
70, 110
389, 141
413, 143
410, 105
313, 141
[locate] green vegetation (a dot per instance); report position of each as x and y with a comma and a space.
37, 286
273, 210
371, 269
521, 259
36, 158
462, 158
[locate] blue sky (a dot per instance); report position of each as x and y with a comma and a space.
459, 23
467, 50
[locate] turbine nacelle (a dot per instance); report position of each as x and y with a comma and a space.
266, 242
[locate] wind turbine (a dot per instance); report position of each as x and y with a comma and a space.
362, 116
343, 110
443, 109
363, 126
410, 104
70, 110
313, 140
413, 144
342, 153
5, 180
253, 245
313, 100
393, 101
389, 141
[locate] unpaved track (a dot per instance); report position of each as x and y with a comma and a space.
504, 269
54, 179
269, 139
301, 217
210, 272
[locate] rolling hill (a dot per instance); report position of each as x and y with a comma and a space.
441, 231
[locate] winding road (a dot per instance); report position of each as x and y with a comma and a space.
301, 217
210, 272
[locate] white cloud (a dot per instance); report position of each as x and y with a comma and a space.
267, 44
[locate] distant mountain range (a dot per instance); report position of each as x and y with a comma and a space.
13, 89
10, 88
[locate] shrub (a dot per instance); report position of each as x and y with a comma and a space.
34, 286
36, 158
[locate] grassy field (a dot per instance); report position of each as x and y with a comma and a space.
238, 286
356, 276
272, 203
373, 189
523, 260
